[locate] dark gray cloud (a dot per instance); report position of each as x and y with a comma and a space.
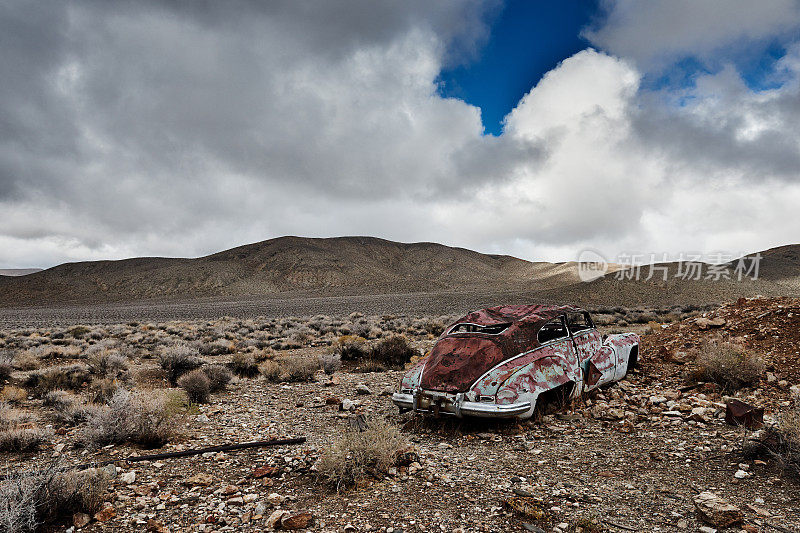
181, 128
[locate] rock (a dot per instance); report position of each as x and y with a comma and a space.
707, 323
706, 529
106, 513
332, 400
236, 500
348, 405
201, 479
741, 474
156, 527
297, 520
771, 377
230, 490
363, 389
80, 519
259, 509
387, 391
783, 384
264, 471
275, 519
717, 511
203, 419
128, 478
275, 499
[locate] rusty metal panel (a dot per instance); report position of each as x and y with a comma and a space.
738, 413
458, 359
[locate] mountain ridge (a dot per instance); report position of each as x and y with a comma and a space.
295, 266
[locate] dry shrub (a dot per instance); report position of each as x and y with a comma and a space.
70, 377
351, 348
434, 327
177, 360
27, 360
330, 362
218, 347
292, 370
393, 352
11, 418
370, 365
78, 332
299, 369
144, 419
197, 386
69, 408
358, 454
13, 394
780, 442
102, 390
6, 366
264, 355
218, 377
728, 364
244, 365
109, 364
22, 439
32, 499
271, 371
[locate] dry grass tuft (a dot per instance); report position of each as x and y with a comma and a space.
271, 371
13, 394
729, 365
23, 439
299, 369
359, 454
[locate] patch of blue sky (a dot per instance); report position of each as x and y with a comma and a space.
757, 64
528, 39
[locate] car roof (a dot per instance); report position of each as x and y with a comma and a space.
516, 313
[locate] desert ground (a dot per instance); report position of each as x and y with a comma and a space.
634, 456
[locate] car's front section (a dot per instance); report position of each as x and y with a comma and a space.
461, 377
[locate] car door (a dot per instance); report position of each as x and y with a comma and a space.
585, 336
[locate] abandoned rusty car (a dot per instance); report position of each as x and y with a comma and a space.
498, 362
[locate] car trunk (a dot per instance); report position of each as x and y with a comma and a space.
455, 363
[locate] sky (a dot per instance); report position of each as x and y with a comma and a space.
532, 128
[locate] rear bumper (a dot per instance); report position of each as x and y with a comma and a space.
454, 404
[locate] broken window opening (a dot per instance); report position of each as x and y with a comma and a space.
493, 329
553, 330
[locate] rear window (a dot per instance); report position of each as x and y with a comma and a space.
493, 329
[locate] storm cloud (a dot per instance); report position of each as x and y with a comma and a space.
169, 128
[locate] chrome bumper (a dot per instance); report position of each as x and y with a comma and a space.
438, 403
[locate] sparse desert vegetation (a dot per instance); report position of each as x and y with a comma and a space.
98, 392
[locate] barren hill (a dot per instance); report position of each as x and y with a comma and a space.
299, 268
335, 266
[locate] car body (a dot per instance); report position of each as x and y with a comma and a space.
497, 362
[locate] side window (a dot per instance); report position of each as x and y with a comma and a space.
579, 322
552, 330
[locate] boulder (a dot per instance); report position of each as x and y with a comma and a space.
717, 511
